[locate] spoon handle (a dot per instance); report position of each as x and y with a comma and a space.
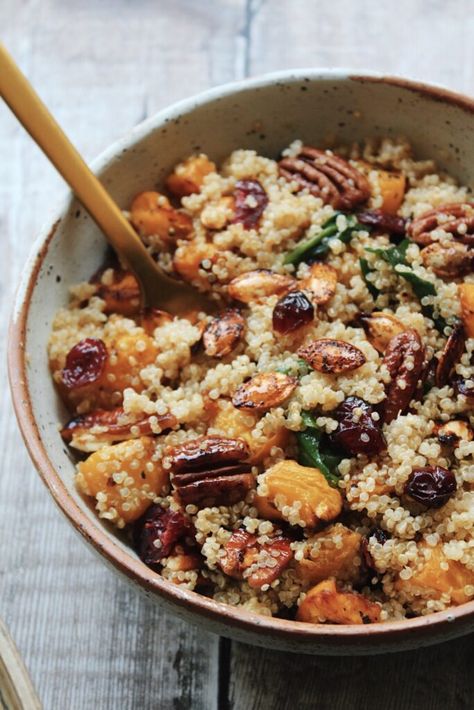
20, 96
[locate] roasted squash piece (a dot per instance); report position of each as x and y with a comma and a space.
336, 554
466, 296
301, 493
324, 603
432, 579
124, 479
152, 215
188, 176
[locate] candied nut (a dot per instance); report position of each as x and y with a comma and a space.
259, 284
456, 218
334, 552
123, 489
448, 260
332, 356
453, 432
439, 576
157, 532
380, 328
264, 391
223, 333
404, 359
85, 363
205, 451
432, 486
121, 295
324, 603
292, 312
452, 352
327, 176
250, 202
321, 281
152, 215
188, 177
219, 486
89, 432
466, 297
293, 488
383, 222
257, 563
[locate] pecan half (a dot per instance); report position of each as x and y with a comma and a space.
327, 176
452, 352
264, 391
448, 260
332, 356
158, 531
259, 284
321, 281
259, 564
89, 432
223, 333
404, 359
456, 218
380, 328
206, 451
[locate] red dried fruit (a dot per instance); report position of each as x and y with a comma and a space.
257, 563
432, 486
462, 386
292, 312
357, 432
85, 363
383, 222
157, 532
250, 202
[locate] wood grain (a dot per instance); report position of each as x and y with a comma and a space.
89, 641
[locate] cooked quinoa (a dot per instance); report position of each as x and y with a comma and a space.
306, 450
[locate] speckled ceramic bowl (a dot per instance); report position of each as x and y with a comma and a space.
318, 106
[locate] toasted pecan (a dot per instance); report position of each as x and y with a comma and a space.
452, 352
206, 451
258, 563
404, 359
327, 176
456, 218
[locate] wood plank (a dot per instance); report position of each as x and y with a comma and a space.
87, 639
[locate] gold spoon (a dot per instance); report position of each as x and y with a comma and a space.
157, 289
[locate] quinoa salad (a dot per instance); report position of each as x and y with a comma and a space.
305, 450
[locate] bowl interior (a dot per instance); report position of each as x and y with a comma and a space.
266, 116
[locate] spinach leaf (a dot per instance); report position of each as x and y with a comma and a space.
366, 270
313, 453
298, 368
396, 256
318, 246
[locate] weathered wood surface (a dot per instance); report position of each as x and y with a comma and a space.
102, 67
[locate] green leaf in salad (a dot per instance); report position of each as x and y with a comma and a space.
318, 245
311, 451
396, 257
298, 368
366, 270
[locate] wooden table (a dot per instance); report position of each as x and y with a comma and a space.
102, 66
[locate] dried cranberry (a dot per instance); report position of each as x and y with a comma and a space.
85, 363
382, 221
161, 526
357, 432
250, 201
432, 485
292, 311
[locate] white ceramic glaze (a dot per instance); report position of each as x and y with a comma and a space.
321, 107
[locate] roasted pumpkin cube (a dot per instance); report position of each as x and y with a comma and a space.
190, 258
325, 603
392, 189
152, 215
301, 493
433, 580
123, 478
188, 176
336, 554
466, 296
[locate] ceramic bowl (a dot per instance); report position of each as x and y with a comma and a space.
320, 107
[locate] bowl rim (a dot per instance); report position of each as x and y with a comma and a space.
103, 542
